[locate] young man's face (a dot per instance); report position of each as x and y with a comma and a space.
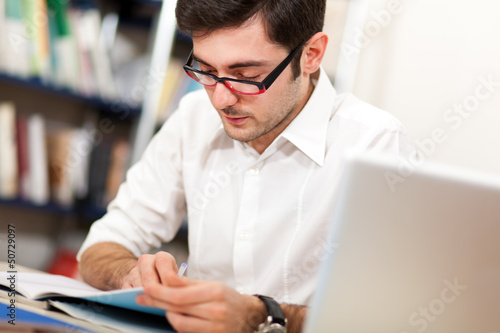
245, 53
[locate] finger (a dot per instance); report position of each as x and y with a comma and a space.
189, 324
147, 269
165, 263
174, 280
189, 293
201, 310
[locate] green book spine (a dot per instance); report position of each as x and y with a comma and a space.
14, 9
59, 11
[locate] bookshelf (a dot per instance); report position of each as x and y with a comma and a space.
60, 92
32, 90
141, 116
84, 105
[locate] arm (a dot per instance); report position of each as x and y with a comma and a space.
296, 315
104, 265
108, 265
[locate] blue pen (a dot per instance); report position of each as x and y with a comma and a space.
182, 269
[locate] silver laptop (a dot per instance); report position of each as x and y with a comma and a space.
417, 250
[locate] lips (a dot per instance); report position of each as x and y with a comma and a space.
235, 120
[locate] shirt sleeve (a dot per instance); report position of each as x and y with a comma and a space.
150, 205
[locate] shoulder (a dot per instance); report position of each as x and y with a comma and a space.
351, 109
358, 125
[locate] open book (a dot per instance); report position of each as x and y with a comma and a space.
41, 286
114, 308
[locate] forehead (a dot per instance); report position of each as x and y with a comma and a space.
226, 46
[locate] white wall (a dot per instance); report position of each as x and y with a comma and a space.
419, 59
335, 19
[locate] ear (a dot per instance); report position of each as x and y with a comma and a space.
314, 50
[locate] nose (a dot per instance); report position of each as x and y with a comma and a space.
223, 97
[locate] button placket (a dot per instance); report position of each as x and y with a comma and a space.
243, 260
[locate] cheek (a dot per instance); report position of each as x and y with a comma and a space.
261, 107
209, 91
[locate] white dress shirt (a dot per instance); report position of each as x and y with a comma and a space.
255, 222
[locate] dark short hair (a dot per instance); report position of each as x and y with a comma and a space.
287, 22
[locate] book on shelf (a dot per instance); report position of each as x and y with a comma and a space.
100, 161
3, 39
15, 55
175, 86
63, 48
60, 144
120, 153
59, 43
35, 19
23, 161
116, 309
44, 161
39, 192
8, 151
84, 145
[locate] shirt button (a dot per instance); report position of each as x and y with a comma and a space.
253, 172
244, 235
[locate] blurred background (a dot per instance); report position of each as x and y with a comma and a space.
84, 84
434, 65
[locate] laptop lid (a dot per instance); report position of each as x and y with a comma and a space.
417, 250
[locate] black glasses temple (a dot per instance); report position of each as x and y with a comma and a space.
281, 67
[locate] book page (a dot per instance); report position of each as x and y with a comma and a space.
40, 286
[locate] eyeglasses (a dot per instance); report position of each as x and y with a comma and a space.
242, 87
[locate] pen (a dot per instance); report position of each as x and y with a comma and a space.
182, 269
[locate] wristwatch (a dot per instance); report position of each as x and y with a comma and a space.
275, 321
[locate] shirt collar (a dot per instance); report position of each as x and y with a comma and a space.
308, 130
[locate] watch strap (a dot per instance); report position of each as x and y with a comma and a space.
273, 309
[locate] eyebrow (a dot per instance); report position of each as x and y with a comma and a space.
249, 63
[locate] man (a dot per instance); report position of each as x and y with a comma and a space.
254, 166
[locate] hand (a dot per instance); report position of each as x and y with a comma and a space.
150, 269
203, 306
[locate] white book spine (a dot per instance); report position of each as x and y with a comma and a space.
3, 36
17, 54
8, 152
39, 173
100, 59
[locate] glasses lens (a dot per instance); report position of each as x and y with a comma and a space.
242, 87
201, 78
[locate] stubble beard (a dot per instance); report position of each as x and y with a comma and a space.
281, 112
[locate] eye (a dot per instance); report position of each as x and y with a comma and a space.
206, 69
249, 78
